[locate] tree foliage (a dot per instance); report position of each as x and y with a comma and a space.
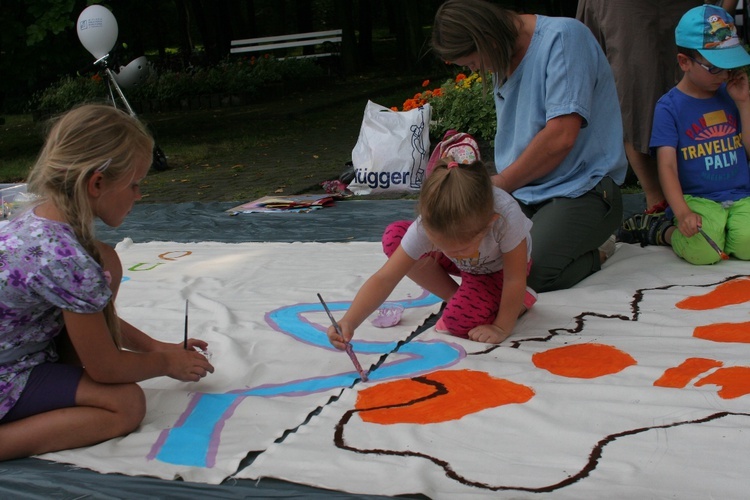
34, 39
39, 43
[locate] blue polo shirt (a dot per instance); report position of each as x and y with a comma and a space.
564, 71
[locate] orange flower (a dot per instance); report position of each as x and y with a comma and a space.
394, 108
460, 77
410, 104
425, 83
437, 92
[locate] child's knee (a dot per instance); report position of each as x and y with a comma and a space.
741, 254
131, 407
452, 325
462, 314
695, 250
738, 246
702, 258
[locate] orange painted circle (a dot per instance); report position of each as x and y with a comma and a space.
583, 361
437, 397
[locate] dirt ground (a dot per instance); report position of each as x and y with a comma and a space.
286, 145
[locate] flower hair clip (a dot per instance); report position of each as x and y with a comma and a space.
453, 164
104, 166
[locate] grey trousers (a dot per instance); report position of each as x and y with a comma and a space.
567, 233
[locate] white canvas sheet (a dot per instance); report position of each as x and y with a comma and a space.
633, 384
256, 306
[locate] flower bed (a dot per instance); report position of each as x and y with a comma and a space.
461, 103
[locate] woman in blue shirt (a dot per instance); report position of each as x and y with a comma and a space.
559, 144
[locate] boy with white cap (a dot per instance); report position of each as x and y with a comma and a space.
700, 147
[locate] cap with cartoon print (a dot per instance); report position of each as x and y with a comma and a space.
711, 31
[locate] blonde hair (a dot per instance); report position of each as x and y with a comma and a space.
457, 202
463, 27
80, 142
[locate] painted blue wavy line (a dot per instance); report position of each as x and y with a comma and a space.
195, 440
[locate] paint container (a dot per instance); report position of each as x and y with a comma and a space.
388, 315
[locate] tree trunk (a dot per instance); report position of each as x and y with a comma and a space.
222, 32
364, 46
305, 21
410, 38
197, 13
349, 63
185, 41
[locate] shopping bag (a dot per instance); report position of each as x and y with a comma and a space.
392, 150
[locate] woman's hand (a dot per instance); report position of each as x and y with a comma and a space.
489, 334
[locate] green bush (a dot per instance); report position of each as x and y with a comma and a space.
466, 106
69, 91
246, 76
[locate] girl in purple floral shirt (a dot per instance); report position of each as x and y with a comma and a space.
68, 364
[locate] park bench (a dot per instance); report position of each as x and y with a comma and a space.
329, 41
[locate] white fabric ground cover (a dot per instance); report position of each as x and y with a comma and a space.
633, 384
256, 306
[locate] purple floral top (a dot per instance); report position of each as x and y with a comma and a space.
43, 270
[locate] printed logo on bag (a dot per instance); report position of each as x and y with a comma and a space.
384, 180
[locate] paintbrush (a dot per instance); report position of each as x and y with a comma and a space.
348, 345
713, 244
184, 343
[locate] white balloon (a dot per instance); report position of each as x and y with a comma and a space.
134, 73
97, 30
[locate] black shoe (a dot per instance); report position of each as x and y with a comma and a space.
646, 229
